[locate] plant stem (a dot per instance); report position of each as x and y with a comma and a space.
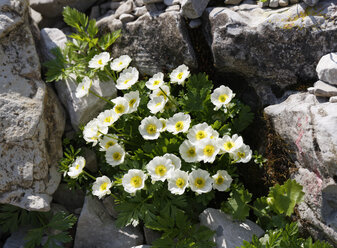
170, 98
113, 77
89, 175
102, 98
257, 210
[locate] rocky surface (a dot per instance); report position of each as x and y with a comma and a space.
70, 199
272, 47
327, 68
323, 89
32, 119
308, 126
228, 233
155, 43
95, 228
193, 8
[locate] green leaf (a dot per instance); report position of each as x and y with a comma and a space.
237, 204
75, 19
244, 119
284, 198
108, 39
56, 67
92, 28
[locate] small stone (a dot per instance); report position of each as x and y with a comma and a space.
50, 39
193, 8
233, 2
125, 8
311, 90
327, 68
95, 12
139, 11
195, 23
109, 204
273, 3
173, 8
283, 3
139, 3
263, 4
152, 1
333, 99
311, 2
126, 18
325, 90
151, 235
36, 16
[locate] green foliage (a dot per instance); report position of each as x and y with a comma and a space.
243, 120
237, 203
259, 159
59, 224
287, 237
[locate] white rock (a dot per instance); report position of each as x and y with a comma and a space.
51, 38
263, 4
324, 89
333, 99
173, 8
95, 228
125, 8
273, 3
126, 18
283, 3
311, 90
193, 8
195, 23
139, 11
327, 68
229, 233
139, 3
36, 16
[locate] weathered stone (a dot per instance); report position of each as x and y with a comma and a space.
263, 4
283, 3
195, 23
327, 68
125, 8
126, 18
32, 119
233, 2
229, 233
90, 159
152, 1
277, 47
324, 89
71, 199
173, 8
16, 240
109, 204
95, 228
151, 235
51, 38
36, 16
153, 42
54, 8
193, 8
311, 2
139, 11
308, 126
333, 99
171, 2
273, 3
139, 3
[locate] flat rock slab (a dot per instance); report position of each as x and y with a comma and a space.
31, 118
229, 233
324, 89
155, 43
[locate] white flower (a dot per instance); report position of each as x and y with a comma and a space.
99, 61
222, 180
242, 155
108, 117
174, 159
120, 63
200, 132
107, 142
208, 150
150, 128
214, 134
101, 186
133, 99
127, 78
156, 104
76, 168
163, 122
159, 168
115, 155
121, 105
93, 131
188, 152
179, 74
178, 123
228, 144
155, 82
134, 180
163, 91
83, 88
221, 96
200, 181
177, 182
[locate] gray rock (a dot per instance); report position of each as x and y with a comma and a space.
115, 5
324, 89
273, 3
173, 8
229, 233
233, 2
30, 115
237, 37
71, 199
95, 228
283, 3
139, 11
139, 3
152, 1
36, 16
327, 68
51, 38
311, 2
126, 18
195, 23
90, 159
109, 204
95, 12
151, 235
125, 8
193, 8
54, 8
16, 240
171, 2
150, 39
333, 99
161, 6
263, 4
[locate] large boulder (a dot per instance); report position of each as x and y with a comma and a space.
308, 126
155, 43
277, 47
96, 228
31, 117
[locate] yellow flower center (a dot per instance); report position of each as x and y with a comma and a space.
100, 62
117, 156
163, 123
109, 143
180, 75
160, 93
228, 145
209, 150
77, 166
132, 101
241, 154
161, 170
191, 152
159, 103
136, 181
179, 126
219, 180
199, 182
180, 182
108, 119
103, 186
223, 98
120, 63
156, 82
151, 129
119, 109
201, 135
126, 81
